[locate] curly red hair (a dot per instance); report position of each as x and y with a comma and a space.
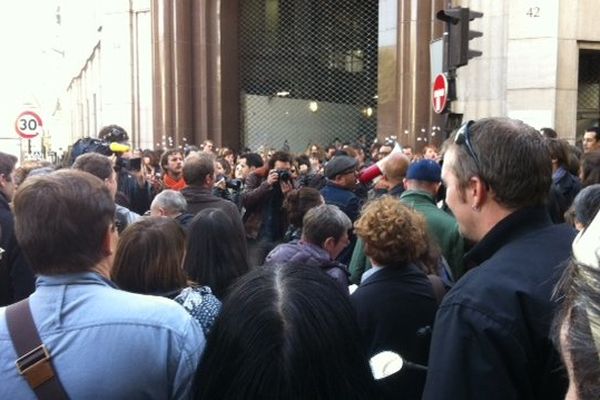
392, 232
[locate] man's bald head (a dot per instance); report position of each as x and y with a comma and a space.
396, 166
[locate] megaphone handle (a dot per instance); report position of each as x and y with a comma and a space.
411, 365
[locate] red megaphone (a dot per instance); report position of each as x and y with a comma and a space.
372, 172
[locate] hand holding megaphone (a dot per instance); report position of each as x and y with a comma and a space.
377, 169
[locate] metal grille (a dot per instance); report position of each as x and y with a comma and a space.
588, 96
308, 72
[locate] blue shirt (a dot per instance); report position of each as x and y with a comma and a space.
106, 343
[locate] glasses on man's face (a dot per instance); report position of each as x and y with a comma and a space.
463, 136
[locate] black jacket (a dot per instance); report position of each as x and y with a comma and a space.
17, 280
492, 332
199, 198
396, 309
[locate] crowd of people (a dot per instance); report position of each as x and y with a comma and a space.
214, 274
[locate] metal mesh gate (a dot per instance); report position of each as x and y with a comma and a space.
588, 94
308, 72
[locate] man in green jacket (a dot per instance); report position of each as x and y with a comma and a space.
422, 182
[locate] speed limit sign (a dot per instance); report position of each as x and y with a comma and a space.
29, 125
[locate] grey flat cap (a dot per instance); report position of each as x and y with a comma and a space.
340, 164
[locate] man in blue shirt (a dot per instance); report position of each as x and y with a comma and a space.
103, 342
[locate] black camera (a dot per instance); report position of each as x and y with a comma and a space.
129, 164
284, 176
234, 184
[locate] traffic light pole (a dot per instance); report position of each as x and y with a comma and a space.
456, 53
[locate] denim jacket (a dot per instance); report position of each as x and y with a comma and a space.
106, 343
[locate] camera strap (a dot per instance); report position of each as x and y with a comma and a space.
33, 361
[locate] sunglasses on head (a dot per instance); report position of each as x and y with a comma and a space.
463, 136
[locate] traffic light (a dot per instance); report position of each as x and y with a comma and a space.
457, 27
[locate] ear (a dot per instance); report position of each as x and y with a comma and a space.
329, 244
108, 243
162, 211
478, 192
209, 179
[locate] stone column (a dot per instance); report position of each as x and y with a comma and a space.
172, 72
404, 85
215, 83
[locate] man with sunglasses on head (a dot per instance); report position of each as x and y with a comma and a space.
491, 337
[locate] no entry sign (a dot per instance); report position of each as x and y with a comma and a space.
29, 125
439, 93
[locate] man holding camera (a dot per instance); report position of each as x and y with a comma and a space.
262, 198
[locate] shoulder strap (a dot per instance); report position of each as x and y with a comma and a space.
439, 291
34, 359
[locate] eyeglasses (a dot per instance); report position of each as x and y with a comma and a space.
463, 136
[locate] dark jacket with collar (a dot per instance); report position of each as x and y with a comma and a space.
568, 185
199, 198
396, 308
344, 198
17, 280
562, 193
492, 332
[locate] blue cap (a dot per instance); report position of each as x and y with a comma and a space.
425, 170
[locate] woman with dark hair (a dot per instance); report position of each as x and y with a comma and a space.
395, 302
285, 333
585, 206
577, 323
148, 261
564, 185
216, 253
222, 168
297, 203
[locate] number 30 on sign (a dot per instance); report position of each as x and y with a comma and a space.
29, 125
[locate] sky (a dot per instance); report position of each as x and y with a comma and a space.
27, 37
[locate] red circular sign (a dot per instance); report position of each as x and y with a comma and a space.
29, 125
439, 98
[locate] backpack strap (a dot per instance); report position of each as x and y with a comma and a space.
33, 361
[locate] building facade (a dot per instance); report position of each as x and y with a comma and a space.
290, 73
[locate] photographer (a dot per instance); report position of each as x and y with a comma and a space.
263, 196
134, 192
225, 187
